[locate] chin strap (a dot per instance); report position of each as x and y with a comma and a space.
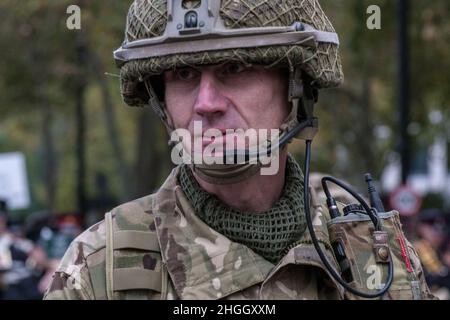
302, 96
225, 173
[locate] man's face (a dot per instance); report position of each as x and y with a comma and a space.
227, 96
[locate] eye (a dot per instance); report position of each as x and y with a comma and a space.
186, 73
233, 68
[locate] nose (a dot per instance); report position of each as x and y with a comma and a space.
210, 102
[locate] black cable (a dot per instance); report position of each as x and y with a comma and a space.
315, 241
350, 190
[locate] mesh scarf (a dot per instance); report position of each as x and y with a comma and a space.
269, 233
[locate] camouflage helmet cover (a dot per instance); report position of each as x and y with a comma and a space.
150, 20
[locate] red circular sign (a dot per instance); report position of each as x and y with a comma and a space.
405, 200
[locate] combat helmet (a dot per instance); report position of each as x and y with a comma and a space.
164, 35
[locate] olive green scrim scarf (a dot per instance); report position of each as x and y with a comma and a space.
267, 233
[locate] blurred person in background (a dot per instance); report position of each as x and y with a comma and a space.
432, 231
21, 262
446, 252
54, 238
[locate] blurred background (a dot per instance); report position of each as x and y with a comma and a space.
70, 149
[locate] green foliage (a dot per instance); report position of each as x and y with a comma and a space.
369, 97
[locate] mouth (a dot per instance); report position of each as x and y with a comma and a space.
221, 139
207, 137
214, 140
215, 130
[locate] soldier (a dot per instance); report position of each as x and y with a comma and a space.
226, 231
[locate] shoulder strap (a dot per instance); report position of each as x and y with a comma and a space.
123, 279
109, 256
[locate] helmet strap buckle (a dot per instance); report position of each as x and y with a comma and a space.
303, 98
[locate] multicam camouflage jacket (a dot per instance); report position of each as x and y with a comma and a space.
157, 248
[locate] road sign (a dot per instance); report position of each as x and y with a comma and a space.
405, 200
